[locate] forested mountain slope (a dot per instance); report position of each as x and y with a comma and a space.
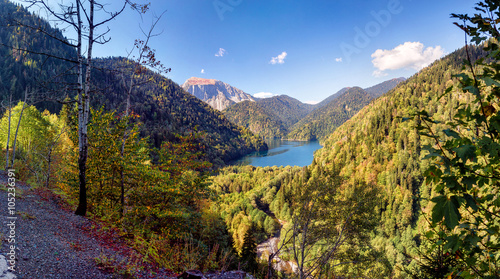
377, 147
331, 98
384, 87
285, 117
257, 119
270, 117
286, 108
336, 109
21, 70
324, 120
161, 105
165, 109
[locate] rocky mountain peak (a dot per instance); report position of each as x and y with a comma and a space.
199, 81
216, 93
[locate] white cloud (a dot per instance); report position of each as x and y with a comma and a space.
202, 71
410, 55
264, 95
311, 102
280, 59
378, 73
338, 59
221, 52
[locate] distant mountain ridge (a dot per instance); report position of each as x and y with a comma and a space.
322, 121
375, 91
285, 117
338, 108
217, 94
331, 98
384, 87
270, 117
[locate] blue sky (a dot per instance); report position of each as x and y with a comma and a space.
306, 49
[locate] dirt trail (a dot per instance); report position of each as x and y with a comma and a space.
51, 241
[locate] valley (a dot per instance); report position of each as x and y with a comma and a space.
287, 118
397, 178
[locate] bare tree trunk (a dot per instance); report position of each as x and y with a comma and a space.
49, 161
122, 175
82, 145
84, 91
17, 129
8, 134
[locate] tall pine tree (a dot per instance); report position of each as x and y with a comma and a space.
249, 251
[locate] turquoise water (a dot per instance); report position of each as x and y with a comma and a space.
282, 153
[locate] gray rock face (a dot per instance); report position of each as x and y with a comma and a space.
217, 94
4, 269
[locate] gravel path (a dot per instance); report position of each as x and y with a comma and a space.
51, 242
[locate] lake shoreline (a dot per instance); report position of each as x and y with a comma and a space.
281, 153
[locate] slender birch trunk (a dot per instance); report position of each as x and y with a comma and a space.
17, 129
82, 145
8, 134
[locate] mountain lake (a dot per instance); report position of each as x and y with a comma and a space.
282, 153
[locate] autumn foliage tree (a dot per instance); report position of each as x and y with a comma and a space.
37, 141
108, 163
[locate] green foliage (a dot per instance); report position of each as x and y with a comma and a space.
165, 203
20, 69
38, 141
269, 117
166, 111
323, 121
287, 109
434, 264
106, 163
377, 146
249, 251
331, 226
465, 157
246, 193
249, 196
270, 225
253, 117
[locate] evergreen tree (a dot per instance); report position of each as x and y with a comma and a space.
249, 250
